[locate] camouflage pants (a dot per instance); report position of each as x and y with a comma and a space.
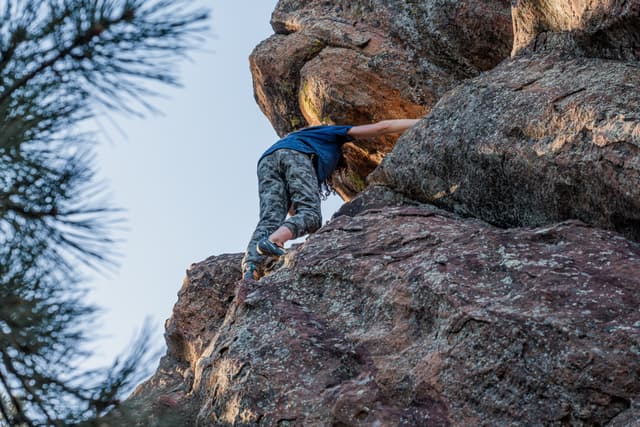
287, 179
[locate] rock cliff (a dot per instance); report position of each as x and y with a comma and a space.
540, 138
361, 61
489, 274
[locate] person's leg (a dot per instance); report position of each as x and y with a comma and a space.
302, 186
274, 204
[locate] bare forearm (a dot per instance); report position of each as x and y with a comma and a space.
382, 128
398, 125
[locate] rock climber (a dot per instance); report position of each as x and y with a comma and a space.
291, 175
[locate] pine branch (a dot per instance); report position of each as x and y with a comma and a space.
58, 60
35, 397
21, 416
19, 35
80, 40
4, 411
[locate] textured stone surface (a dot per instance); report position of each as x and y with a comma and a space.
538, 139
595, 28
167, 399
198, 312
400, 313
347, 62
409, 315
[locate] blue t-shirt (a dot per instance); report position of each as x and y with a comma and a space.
323, 141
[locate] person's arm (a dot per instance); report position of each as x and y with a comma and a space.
382, 128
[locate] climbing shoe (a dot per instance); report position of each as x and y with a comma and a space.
267, 248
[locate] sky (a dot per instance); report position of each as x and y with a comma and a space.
185, 178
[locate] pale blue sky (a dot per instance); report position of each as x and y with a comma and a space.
186, 178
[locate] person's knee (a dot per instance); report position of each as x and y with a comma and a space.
304, 222
312, 220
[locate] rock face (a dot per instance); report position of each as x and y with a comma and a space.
539, 139
354, 62
548, 135
595, 28
409, 315
168, 399
488, 275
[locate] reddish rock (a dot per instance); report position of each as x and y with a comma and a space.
413, 316
166, 399
202, 306
357, 62
537, 140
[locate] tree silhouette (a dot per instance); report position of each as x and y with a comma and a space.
61, 62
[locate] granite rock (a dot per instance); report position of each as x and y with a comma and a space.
346, 62
537, 140
412, 316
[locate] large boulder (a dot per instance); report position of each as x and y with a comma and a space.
538, 139
348, 62
412, 316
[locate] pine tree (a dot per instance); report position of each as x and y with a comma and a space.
62, 62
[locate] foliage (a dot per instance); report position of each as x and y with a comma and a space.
62, 61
